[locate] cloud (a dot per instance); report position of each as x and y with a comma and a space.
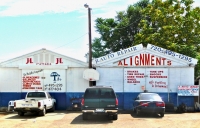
32, 7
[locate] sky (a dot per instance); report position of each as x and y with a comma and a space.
60, 26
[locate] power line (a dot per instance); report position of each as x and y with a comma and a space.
71, 41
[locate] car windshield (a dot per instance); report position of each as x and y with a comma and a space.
36, 94
150, 97
99, 93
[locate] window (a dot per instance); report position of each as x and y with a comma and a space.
36, 94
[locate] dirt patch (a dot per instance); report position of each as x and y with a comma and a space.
3, 114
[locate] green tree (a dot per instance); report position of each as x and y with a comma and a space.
118, 33
171, 24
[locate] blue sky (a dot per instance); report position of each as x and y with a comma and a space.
57, 25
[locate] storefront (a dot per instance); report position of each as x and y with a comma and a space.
60, 75
129, 72
133, 70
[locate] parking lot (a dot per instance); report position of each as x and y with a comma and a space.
126, 119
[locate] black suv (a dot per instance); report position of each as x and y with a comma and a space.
100, 100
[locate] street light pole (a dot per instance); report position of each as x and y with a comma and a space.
90, 38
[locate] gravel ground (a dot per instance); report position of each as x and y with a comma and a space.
73, 119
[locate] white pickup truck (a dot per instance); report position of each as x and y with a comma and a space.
36, 102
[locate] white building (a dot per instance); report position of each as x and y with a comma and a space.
129, 72
155, 69
60, 75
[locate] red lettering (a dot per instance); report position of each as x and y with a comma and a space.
136, 60
169, 63
29, 60
163, 60
147, 59
59, 60
120, 63
142, 59
158, 61
125, 62
131, 61
152, 60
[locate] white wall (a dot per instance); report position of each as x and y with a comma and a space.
111, 77
10, 80
75, 81
115, 77
180, 76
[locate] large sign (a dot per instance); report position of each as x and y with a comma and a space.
32, 80
31, 61
117, 54
171, 53
145, 59
157, 79
151, 79
192, 90
54, 80
46, 80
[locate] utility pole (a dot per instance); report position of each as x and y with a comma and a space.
90, 38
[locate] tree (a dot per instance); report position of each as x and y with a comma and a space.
173, 25
98, 48
118, 33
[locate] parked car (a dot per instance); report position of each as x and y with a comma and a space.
98, 100
35, 102
149, 103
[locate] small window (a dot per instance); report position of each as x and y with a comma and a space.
36, 94
107, 93
91, 93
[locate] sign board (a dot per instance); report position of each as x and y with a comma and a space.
192, 90
172, 54
151, 79
43, 80
117, 54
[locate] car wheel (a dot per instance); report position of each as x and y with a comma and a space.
53, 108
115, 117
162, 114
43, 112
21, 113
137, 112
134, 110
85, 116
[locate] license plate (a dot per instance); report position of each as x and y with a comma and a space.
99, 110
27, 108
27, 105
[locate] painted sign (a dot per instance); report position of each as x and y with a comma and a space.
145, 59
152, 79
171, 53
54, 80
117, 54
192, 90
31, 61
157, 79
32, 80
46, 80
134, 79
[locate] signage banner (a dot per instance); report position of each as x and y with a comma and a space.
192, 90
172, 54
43, 80
32, 80
151, 79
